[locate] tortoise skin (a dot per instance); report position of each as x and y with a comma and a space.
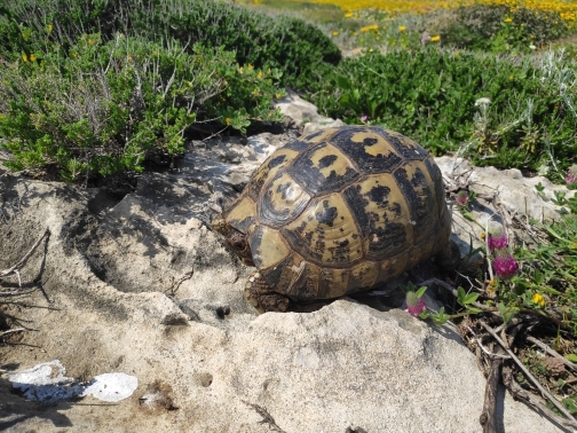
342, 210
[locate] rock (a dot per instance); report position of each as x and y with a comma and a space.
301, 113
140, 285
121, 282
515, 193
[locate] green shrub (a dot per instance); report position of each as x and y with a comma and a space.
287, 44
497, 28
103, 107
431, 95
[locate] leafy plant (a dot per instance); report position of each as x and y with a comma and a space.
433, 96
287, 44
500, 28
103, 107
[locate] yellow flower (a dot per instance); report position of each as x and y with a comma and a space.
436, 38
402, 28
227, 120
538, 299
335, 33
48, 28
32, 58
260, 75
511, 77
249, 67
482, 235
25, 58
348, 15
90, 42
369, 28
240, 70
491, 287
255, 91
508, 20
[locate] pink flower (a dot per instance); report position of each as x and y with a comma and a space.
571, 175
505, 266
425, 38
462, 198
364, 118
497, 242
415, 305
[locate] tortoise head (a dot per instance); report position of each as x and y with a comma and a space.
236, 241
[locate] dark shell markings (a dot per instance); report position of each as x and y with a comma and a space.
340, 211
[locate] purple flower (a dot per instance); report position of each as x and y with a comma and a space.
497, 242
505, 266
571, 175
462, 198
415, 305
364, 118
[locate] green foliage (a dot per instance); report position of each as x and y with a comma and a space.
290, 45
431, 95
549, 270
103, 107
497, 28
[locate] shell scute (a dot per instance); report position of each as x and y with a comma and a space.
322, 169
326, 233
281, 201
414, 182
382, 214
269, 169
369, 149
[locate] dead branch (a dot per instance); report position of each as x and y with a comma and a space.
12, 331
488, 418
176, 284
16, 268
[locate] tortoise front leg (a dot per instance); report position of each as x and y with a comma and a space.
260, 295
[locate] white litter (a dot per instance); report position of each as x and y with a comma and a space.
46, 382
112, 387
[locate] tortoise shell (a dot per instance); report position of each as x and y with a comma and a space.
342, 210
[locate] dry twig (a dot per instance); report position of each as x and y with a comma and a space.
16, 268
488, 418
552, 353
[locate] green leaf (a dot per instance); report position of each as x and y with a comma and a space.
344, 83
421, 291
470, 298
441, 317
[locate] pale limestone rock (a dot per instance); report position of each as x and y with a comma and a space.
112, 305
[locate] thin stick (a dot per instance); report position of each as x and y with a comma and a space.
483, 348
11, 331
552, 353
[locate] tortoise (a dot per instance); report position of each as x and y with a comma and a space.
335, 212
